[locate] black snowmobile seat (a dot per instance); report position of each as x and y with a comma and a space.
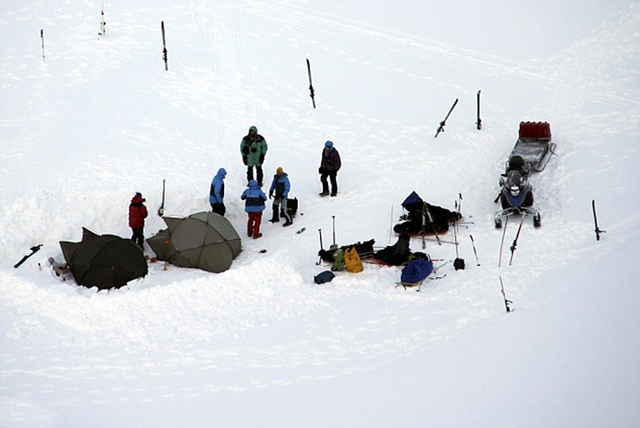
517, 163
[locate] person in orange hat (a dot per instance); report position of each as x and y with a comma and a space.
279, 191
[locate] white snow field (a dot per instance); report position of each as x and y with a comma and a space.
261, 345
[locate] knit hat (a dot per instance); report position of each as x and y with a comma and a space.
138, 194
279, 170
329, 143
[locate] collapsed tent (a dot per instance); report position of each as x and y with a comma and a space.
424, 218
202, 240
104, 261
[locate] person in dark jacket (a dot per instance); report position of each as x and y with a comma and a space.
216, 192
253, 149
280, 185
329, 166
254, 199
137, 214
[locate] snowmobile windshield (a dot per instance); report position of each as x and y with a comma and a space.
515, 178
515, 182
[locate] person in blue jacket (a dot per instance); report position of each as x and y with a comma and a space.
280, 185
254, 199
216, 192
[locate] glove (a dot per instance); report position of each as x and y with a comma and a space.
320, 170
270, 194
244, 159
261, 159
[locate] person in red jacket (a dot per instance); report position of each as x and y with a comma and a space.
137, 214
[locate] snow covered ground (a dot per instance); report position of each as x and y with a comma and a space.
99, 118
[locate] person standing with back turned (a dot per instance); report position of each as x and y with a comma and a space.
329, 166
216, 192
137, 213
254, 199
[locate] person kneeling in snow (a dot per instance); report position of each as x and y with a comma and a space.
280, 185
137, 214
254, 199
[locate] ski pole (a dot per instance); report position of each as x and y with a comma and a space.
391, 225
458, 263
473, 244
161, 209
321, 248
478, 120
42, 37
433, 226
334, 246
507, 303
103, 24
515, 241
504, 232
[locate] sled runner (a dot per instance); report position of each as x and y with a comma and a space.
534, 145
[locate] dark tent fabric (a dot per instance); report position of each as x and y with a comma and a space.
397, 253
416, 271
202, 240
104, 261
417, 218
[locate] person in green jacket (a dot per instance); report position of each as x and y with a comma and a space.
253, 149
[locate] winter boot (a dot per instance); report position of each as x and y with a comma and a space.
288, 219
276, 217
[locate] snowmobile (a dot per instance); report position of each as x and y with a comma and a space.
531, 153
516, 193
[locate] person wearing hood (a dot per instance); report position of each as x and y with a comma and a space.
329, 166
216, 192
254, 199
137, 214
280, 185
253, 149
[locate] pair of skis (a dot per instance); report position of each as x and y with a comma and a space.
444, 122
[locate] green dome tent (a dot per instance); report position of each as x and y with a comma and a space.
203, 240
104, 261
